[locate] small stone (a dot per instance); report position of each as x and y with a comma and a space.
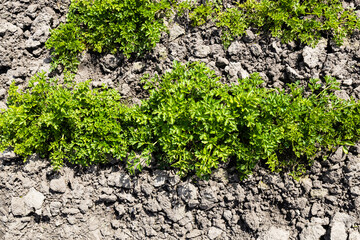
120, 209
357, 204
126, 197
107, 198
125, 89
26, 219
338, 69
97, 84
31, 10
187, 192
342, 94
6, 26
208, 198
301, 203
332, 176
188, 219
355, 191
147, 189
160, 178
138, 67
110, 61
227, 215
58, 185
107, 190
231, 71
153, 206
20, 72
316, 208
175, 31
292, 74
193, 203
256, 50
338, 231
34, 199
71, 211
229, 197
78, 190
323, 221
149, 231
176, 214
242, 73
338, 156
71, 220
162, 52
58, 222
173, 180
214, 232
251, 220
234, 48
332, 199
16, 225
345, 218
240, 194
314, 232
201, 51
84, 205
33, 165
221, 175
221, 62
5, 62
55, 208
236, 70
115, 224
94, 223
319, 193
354, 164
274, 233
18, 207
194, 233
354, 235
311, 56
219, 223
249, 36
277, 49
217, 50
348, 82
120, 180
106, 231
31, 44
177, 51
96, 235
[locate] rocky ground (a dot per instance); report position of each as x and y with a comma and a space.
104, 202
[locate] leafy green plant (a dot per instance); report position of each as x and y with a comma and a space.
191, 122
184, 7
306, 21
129, 26
135, 26
303, 20
198, 122
201, 14
66, 122
234, 24
66, 42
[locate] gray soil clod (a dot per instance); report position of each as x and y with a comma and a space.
104, 202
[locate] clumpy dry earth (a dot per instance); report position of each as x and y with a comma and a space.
104, 202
